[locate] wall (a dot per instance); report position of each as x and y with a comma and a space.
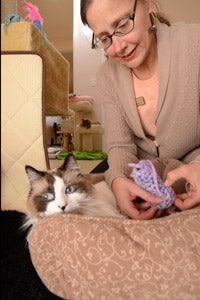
86, 61
182, 10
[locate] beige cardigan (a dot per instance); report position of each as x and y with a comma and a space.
178, 111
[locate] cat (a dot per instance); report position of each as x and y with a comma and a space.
67, 190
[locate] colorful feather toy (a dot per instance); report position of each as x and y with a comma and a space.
33, 14
13, 17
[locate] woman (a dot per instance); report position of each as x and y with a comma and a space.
149, 86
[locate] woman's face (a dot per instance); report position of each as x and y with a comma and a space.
133, 49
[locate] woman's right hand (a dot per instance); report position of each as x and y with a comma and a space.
126, 192
190, 172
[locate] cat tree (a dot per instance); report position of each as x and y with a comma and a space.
89, 139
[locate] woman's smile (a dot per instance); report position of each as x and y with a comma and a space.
128, 57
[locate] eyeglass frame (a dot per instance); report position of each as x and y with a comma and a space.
132, 17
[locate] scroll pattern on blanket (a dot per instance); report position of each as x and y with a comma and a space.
79, 257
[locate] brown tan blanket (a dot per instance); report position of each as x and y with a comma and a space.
79, 257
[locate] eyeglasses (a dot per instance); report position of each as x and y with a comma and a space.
124, 27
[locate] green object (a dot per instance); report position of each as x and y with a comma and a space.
82, 155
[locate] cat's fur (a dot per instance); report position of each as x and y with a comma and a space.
66, 190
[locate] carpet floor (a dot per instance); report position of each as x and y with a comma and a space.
19, 280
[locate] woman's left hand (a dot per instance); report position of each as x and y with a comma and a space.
190, 172
126, 192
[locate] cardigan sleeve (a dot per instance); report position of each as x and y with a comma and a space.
193, 156
119, 137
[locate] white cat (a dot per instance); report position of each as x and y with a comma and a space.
66, 190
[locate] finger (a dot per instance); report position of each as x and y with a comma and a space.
131, 210
136, 214
182, 196
174, 175
147, 196
187, 203
142, 206
148, 214
158, 214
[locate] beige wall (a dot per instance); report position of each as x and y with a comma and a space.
87, 61
182, 10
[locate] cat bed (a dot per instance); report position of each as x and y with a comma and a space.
84, 106
83, 155
73, 98
106, 258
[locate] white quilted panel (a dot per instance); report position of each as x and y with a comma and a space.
21, 123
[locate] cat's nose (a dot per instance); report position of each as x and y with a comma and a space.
63, 207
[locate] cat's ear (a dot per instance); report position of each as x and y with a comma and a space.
70, 163
33, 174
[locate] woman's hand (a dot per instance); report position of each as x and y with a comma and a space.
126, 192
190, 172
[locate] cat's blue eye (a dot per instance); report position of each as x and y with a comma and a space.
70, 189
48, 196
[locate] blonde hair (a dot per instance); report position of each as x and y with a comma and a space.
159, 14
156, 11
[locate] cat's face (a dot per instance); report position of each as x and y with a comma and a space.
62, 190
